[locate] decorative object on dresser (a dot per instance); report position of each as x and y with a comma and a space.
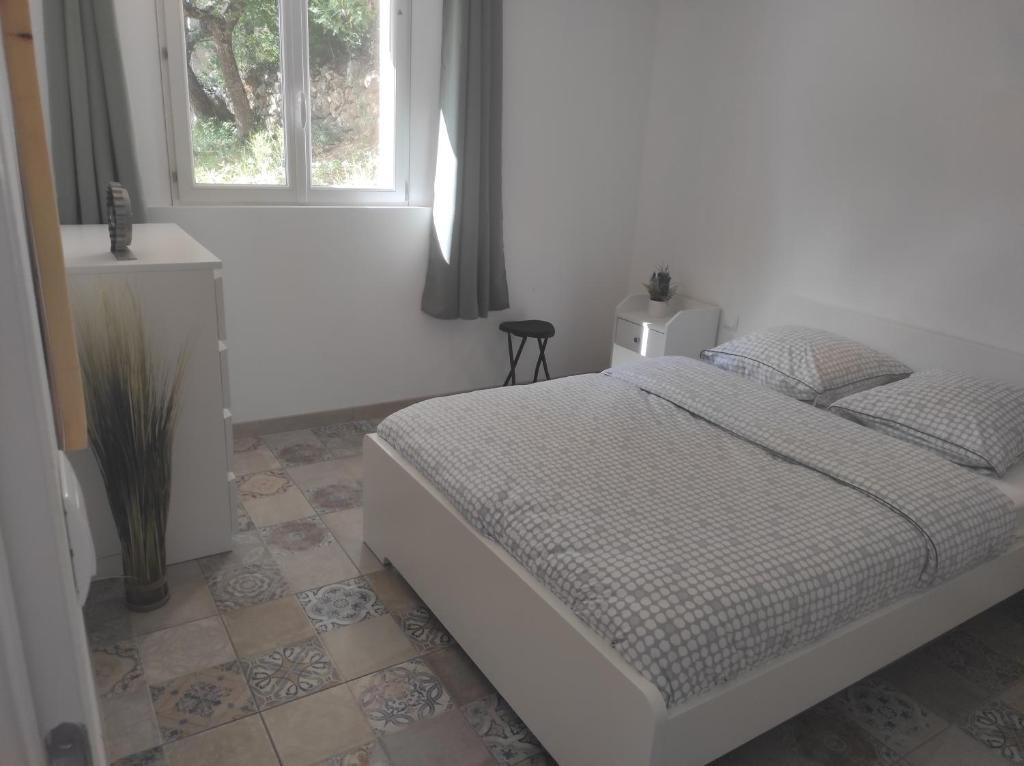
661, 291
179, 288
119, 220
525, 329
132, 400
689, 327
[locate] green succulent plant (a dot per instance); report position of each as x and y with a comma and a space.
660, 286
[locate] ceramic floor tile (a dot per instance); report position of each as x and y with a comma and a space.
1002, 627
543, 759
933, 685
367, 646
999, 727
244, 523
241, 743
307, 554
199, 701
460, 676
258, 629
817, 737
347, 528
251, 456
502, 731
122, 710
297, 447
317, 567
370, 754
345, 439
152, 757
185, 649
446, 740
190, 600
889, 715
117, 668
954, 747
240, 585
247, 548
317, 727
289, 672
271, 498
297, 536
393, 590
107, 620
423, 628
1014, 696
334, 606
365, 559
980, 665
353, 467
134, 737
329, 486
401, 695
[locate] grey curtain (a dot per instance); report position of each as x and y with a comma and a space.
91, 136
466, 267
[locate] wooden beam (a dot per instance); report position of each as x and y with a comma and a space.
43, 225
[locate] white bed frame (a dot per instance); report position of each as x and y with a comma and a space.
584, 702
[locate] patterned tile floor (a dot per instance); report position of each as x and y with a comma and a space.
299, 648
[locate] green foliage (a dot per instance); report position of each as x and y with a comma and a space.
343, 63
353, 22
221, 158
257, 38
659, 286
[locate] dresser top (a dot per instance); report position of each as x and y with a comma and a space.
156, 247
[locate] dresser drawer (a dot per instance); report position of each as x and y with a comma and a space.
630, 335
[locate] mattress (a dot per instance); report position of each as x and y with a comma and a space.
698, 522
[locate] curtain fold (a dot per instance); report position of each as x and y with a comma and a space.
466, 267
90, 126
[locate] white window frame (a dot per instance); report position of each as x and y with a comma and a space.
294, 30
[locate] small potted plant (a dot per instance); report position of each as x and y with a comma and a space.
132, 398
660, 289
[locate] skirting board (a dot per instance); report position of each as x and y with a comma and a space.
324, 418
584, 702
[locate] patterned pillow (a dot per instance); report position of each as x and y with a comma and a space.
807, 364
973, 422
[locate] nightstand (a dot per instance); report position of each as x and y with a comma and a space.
691, 328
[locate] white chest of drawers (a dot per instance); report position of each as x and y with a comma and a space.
178, 284
691, 328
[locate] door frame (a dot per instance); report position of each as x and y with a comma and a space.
44, 652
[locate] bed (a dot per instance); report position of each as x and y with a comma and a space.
560, 615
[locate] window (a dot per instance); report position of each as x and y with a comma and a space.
279, 101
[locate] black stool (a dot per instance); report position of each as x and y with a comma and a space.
528, 328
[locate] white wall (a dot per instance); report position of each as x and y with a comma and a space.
323, 303
868, 153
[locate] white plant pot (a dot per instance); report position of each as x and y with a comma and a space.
659, 309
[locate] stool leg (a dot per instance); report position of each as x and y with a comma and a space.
513, 361
541, 360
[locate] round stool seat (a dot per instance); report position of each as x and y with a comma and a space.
529, 328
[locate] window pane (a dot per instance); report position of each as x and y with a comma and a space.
233, 53
352, 94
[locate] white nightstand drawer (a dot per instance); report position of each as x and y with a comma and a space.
689, 329
629, 334
638, 338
